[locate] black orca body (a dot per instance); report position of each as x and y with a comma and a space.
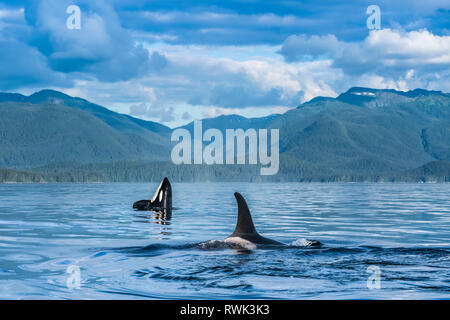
245, 234
161, 201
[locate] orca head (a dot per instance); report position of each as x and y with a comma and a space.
245, 233
163, 195
162, 199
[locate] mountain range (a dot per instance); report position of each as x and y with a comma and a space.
362, 135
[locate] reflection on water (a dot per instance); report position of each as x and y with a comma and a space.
121, 253
160, 216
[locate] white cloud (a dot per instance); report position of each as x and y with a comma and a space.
193, 81
384, 59
11, 13
213, 112
226, 19
163, 115
100, 48
200, 79
386, 51
298, 47
418, 47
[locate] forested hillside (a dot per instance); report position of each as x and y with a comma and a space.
362, 135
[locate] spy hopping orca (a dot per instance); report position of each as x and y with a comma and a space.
161, 201
245, 234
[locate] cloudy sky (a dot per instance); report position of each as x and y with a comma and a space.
175, 61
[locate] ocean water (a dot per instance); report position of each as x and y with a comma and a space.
84, 241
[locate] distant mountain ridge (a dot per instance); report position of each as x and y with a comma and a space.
73, 129
112, 118
383, 97
363, 134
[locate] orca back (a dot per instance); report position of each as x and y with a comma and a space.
162, 199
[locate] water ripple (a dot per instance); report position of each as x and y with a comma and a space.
402, 229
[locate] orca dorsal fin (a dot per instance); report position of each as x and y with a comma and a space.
244, 221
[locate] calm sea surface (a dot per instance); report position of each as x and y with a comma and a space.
52, 235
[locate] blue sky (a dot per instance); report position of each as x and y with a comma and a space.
175, 61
